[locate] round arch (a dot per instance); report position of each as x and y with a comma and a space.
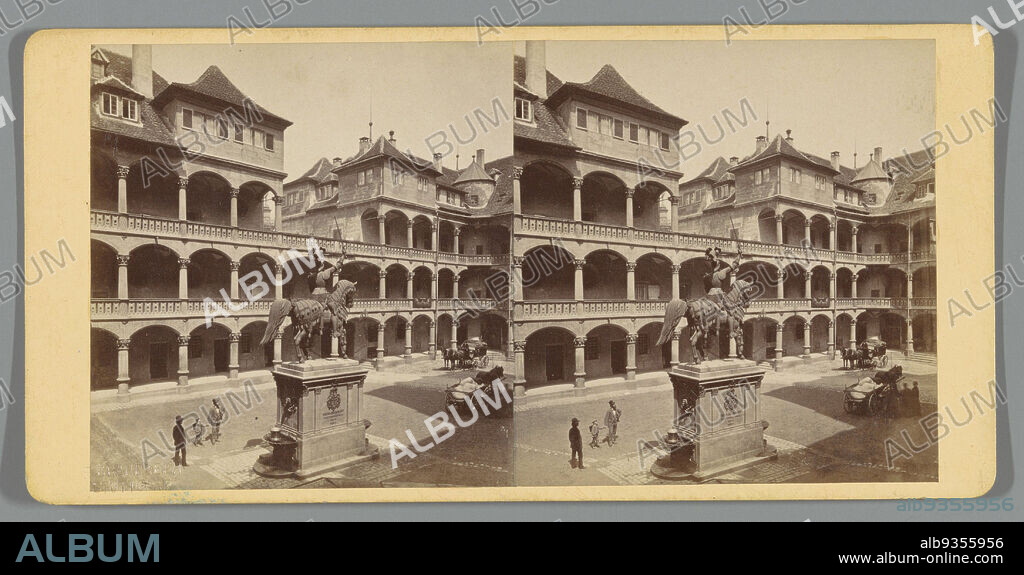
546, 190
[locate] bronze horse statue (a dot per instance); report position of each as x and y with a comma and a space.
706, 315
310, 316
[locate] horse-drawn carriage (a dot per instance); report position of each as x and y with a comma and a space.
871, 352
872, 394
460, 394
470, 354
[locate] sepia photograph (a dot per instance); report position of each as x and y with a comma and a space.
299, 259
756, 219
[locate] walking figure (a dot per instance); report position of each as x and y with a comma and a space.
611, 421
216, 418
595, 432
198, 430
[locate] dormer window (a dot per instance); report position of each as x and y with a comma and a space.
524, 110
116, 106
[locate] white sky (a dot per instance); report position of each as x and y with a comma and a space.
326, 90
832, 94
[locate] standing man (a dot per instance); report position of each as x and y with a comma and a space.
576, 443
611, 421
178, 433
216, 418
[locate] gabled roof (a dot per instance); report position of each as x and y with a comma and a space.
318, 174
214, 85
474, 172
120, 67
718, 168
609, 86
782, 147
151, 126
112, 82
383, 148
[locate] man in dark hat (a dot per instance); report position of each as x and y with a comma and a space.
611, 421
576, 444
178, 434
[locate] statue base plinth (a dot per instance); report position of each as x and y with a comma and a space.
321, 428
718, 425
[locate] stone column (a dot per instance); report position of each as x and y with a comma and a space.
674, 213
432, 344
233, 194
733, 351
454, 343
832, 288
577, 199
831, 339
910, 287
183, 360
578, 285
380, 340
278, 216
910, 335
778, 230
630, 281
780, 284
675, 282
631, 356
234, 279
433, 288
519, 349
122, 189
183, 278
853, 334
517, 279
853, 240
433, 235
853, 286
629, 207
233, 339
122, 277
382, 289
382, 230
408, 285
123, 378
517, 196
278, 282
807, 284
455, 285
277, 348
408, 233
832, 235
674, 361
580, 371
910, 240
182, 199
807, 338
778, 340
408, 339
455, 241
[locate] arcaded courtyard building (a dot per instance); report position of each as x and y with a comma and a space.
189, 206
602, 242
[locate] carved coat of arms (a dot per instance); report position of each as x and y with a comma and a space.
334, 400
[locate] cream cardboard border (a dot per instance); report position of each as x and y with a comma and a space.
57, 310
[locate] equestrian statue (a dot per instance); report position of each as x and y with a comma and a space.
326, 306
719, 308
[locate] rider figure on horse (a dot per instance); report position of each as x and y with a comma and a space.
319, 278
717, 275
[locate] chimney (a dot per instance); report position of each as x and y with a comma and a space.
734, 160
835, 161
391, 137
789, 138
142, 69
878, 155
536, 69
364, 144
480, 157
762, 143
437, 162
336, 162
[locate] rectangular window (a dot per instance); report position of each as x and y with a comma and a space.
581, 118
110, 104
369, 175
268, 142
796, 176
663, 141
361, 178
606, 125
766, 174
186, 118
643, 344
634, 132
617, 129
195, 347
257, 138
397, 177
592, 350
239, 133
593, 121
757, 177
129, 109
645, 136
222, 129
524, 110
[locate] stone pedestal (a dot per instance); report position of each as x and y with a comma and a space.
320, 423
718, 423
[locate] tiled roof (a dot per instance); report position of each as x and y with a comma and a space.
319, 173
384, 148
609, 85
718, 168
724, 202
910, 170
215, 85
117, 84
871, 171
474, 172
783, 147
120, 67
151, 126
501, 199
519, 76
546, 129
